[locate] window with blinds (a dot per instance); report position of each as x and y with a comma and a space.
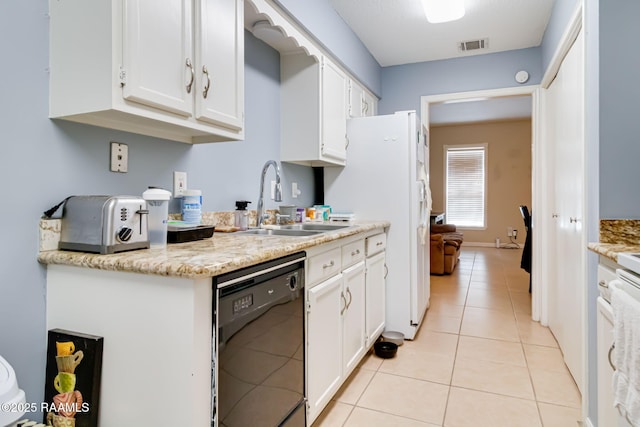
466, 185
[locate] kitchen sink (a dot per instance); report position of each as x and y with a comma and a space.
314, 227
281, 232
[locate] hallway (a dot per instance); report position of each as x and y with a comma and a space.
478, 360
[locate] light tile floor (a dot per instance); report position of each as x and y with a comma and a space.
478, 360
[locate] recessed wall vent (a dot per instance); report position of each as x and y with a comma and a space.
473, 45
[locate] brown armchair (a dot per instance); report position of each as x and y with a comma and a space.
446, 243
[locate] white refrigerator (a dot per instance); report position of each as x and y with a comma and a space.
387, 178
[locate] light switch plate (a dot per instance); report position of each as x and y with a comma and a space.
179, 183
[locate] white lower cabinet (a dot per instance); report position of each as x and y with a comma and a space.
375, 296
353, 318
342, 318
324, 351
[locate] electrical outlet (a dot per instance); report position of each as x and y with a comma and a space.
179, 183
295, 191
119, 157
509, 231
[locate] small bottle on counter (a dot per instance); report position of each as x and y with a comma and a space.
241, 215
192, 207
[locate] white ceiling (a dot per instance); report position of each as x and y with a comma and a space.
397, 31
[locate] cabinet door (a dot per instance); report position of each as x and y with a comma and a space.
354, 317
375, 296
157, 61
219, 42
607, 413
370, 105
324, 342
356, 100
334, 111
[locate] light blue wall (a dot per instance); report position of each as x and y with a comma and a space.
562, 12
44, 161
619, 113
321, 20
403, 85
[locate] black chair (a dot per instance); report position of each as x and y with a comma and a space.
525, 262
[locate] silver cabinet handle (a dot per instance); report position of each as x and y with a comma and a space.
613, 346
190, 66
379, 244
206, 86
356, 252
346, 144
350, 297
603, 284
345, 303
329, 265
574, 220
555, 215
386, 271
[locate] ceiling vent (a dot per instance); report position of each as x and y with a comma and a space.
473, 45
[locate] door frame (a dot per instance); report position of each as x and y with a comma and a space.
538, 286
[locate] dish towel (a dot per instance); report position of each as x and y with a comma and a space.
626, 338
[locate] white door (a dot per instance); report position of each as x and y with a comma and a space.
324, 350
157, 54
567, 294
354, 339
219, 42
334, 111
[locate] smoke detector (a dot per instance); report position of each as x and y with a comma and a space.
473, 45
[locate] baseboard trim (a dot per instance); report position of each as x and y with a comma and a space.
487, 245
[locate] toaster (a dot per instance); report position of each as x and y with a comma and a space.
104, 224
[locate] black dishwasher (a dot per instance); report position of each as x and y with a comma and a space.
259, 374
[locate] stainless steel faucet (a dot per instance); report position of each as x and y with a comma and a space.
278, 191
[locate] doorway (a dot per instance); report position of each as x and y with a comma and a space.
519, 102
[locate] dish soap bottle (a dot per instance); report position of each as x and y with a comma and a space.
241, 220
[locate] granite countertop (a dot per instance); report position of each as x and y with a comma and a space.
219, 254
616, 236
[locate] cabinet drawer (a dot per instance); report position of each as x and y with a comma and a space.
352, 253
375, 244
323, 266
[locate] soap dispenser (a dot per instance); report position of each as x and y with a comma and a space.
241, 215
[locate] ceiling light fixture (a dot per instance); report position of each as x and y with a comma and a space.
438, 11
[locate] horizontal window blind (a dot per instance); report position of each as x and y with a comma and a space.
465, 189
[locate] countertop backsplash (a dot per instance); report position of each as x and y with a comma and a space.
616, 236
620, 231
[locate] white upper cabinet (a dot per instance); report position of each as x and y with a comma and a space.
314, 111
334, 112
220, 62
157, 52
370, 107
172, 69
361, 102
